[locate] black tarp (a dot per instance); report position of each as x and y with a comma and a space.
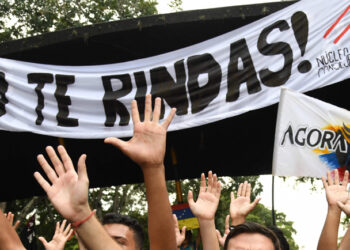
241, 145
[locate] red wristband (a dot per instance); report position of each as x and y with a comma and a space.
76, 224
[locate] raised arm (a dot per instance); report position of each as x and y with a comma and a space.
180, 236
345, 242
205, 208
147, 149
10, 216
68, 192
335, 191
59, 239
240, 207
8, 236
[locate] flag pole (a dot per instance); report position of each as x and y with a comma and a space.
273, 201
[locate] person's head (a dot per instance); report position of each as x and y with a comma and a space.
250, 235
283, 241
126, 231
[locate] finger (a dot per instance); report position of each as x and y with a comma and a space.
325, 185
218, 189
227, 224
232, 196
253, 205
218, 235
329, 177
42, 182
148, 107
176, 223
249, 189
42, 239
70, 234
82, 172
190, 200
210, 181
50, 173
63, 225
67, 230
156, 111
183, 232
239, 192
135, 112
170, 117
346, 178
117, 143
244, 189
336, 177
16, 224
203, 185
67, 162
215, 183
56, 162
341, 205
10, 218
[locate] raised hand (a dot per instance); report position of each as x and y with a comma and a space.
59, 239
180, 236
336, 191
240, 207
147, 146
208, 199
222, 239
68, 191
9, 216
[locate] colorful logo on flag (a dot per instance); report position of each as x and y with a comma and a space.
331, 144
185, 216
338, 159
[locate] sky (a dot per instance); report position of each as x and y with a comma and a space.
306, 208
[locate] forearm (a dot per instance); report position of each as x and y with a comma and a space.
208, 234
237, 220
160, 218
345, 242
8, 236
94, 237
329, 234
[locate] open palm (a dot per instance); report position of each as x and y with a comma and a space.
208, 198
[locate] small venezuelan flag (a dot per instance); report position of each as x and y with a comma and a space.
185, 216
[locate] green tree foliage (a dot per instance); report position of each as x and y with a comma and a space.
19, 19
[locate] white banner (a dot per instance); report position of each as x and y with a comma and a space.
303, 47
312, 137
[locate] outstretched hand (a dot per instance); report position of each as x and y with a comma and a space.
240, 207
336, 191
68, 191
208, 199
180, 236
60, 237
147, 146
9, 216
222, 239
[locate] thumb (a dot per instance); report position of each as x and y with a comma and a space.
82, 173
341, 205
218, 234
256, 202
190, 199
116, 142
42, 239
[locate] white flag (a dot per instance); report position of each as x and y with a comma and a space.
311, 137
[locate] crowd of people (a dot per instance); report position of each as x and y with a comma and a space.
67, 189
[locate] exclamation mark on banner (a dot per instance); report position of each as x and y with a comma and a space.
300, 25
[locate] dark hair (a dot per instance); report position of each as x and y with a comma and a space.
251, 227
115, 218
283, 241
